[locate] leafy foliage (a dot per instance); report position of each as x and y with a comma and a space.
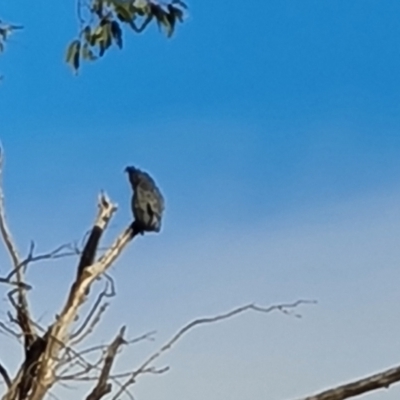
103, 26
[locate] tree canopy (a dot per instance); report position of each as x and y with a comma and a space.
101, 24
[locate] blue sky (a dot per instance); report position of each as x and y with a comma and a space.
273, 130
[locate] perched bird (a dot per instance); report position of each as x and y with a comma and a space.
147, 200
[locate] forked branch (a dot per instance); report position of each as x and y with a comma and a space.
103, 387
87, 272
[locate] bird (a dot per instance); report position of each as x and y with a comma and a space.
147, 201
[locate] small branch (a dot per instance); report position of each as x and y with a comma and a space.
76, 360
4, 374
146, 336
150, 370
21, 285
12, 392
22, 319
23, 313
5, 328
5, 233
59, 252
89, 321
142, 27
103, 387
78, 356
381, 380
284, 308
79, 6
73, 358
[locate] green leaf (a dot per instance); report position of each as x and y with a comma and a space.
73, 55
97, 8
123, 12
141, 3
96, 35
142, 7
176, 11
116, 33
87, 33
105, 39
162, 18
87, 53
171, 22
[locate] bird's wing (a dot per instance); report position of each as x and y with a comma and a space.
155, 200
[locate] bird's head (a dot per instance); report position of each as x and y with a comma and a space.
134, 174
130, 169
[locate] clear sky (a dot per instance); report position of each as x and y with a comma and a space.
273, 129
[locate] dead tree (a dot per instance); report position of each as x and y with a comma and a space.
51, 354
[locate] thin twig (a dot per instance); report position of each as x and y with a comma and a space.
5, 328
284, 308
52, 255
142, 27
4, 374
22, 285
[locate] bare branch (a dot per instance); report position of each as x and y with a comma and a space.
103, 387
4, 374
146, 336
76, 360
149, 370
22, 319
21, 285
89, 251
23, 313
30, 366
65, 250
12, 392
5, 232
89, 321
10, 331
87, 368
284, 308
59, 331
381, 380
113, 252
102, 348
